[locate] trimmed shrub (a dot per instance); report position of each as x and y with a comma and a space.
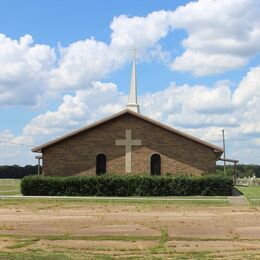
207, 192
106, 185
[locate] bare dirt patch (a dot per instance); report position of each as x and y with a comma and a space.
212, 246
104, 244
96, 228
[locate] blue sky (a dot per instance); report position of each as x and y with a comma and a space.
68, 21
64, 22
67, 63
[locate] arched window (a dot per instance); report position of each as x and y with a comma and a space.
101, 164
155, 164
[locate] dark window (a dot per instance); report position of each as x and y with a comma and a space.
155, 164
101, 162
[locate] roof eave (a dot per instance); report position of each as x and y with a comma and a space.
216, 149
72, 133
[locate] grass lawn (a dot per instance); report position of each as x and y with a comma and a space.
251, 193
112, 201
10, 186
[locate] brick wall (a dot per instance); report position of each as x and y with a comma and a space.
77, 155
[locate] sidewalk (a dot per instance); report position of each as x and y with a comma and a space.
115, 198
238, 200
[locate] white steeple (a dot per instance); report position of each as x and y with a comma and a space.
132, 100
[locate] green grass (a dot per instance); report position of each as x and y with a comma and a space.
250, 192
161, 248
10, 187
146, 201
160, 251
162, 238
33, 256
23, 243
77, 255
21, 248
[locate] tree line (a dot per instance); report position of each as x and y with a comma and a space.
16, 171
243, 170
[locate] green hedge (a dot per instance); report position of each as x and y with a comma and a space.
126, 186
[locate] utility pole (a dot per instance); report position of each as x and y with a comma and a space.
224, 148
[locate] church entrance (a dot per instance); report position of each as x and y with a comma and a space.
101, 164
155, 167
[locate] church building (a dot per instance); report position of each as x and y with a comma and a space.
128, 143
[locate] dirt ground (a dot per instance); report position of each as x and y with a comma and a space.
91, 230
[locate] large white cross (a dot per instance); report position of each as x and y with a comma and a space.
128, 143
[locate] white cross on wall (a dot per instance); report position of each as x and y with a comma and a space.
128, 143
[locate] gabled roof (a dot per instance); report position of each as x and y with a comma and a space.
216, 149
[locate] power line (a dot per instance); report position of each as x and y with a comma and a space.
17, 143
14, 122
42, 134
39, 127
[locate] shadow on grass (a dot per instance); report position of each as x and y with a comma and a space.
236, 192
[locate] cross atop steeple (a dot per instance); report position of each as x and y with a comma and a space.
132, 100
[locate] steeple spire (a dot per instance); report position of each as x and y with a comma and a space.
132, 100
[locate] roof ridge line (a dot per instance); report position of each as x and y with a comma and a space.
108, 118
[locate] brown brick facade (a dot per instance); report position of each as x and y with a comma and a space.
76, 155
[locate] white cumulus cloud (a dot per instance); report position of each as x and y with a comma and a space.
200, 110
25, 67
86, 106
90, 60
221, 35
